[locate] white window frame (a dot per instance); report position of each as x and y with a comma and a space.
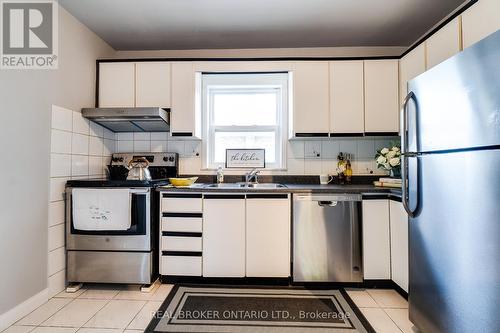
213, 83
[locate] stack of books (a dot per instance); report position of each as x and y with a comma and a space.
388, 182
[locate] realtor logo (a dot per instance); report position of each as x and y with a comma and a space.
29, 34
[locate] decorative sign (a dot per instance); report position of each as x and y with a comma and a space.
245, 158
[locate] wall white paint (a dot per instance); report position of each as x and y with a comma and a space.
301, 156
79, 149
26, 99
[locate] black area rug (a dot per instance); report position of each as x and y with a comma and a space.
190, 308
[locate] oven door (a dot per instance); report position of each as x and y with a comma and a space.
136, 238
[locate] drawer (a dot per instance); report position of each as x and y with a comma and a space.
180, 243
181, 203
182, 224
181, 265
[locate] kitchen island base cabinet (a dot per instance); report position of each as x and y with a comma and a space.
268, 237
224, 236
376, 240
399, 244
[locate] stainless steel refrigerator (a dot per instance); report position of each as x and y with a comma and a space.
451, 169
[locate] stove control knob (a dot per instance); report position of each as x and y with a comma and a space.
165, 159
171, 158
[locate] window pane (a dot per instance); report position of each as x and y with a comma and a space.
245, 108
237, 140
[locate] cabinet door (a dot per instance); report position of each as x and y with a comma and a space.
346, 97
310, 98
268, 237
152, 84
444, 44
376, 240
399, 244
410, 66
224, 236
480, 20
116, 84
381, 96
184, 120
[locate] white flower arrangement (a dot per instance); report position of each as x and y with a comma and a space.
389, 159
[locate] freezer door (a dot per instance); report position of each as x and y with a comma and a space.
455, 244
458, 102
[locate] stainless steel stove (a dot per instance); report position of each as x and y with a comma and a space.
120, 256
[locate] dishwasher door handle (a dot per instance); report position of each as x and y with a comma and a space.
327, 203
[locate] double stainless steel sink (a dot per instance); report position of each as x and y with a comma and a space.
266, 186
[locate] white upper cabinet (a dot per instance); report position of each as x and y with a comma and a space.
444, 44
185, 118
152, 84
376, 240
311, 114
480, 20
346, 97
410, 66
117, 84
267, 237
381, 96
399, 244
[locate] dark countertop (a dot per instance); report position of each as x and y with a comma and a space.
368, 191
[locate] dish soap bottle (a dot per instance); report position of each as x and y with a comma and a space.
341, 167
220, 175
348, 169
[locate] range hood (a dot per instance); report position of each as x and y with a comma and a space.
130, 119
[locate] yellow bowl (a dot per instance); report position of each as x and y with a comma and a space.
183, 181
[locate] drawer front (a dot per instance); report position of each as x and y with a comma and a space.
181, 224
180, 243
181, 265
181, 205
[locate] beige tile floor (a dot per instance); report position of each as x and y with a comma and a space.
111, 309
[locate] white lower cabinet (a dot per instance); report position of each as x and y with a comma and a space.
399, 244
268, 236
376, 240
224, 236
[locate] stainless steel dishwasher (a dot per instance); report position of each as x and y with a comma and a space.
327, 238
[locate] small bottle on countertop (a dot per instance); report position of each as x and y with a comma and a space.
348, 169
220, 175
341, 168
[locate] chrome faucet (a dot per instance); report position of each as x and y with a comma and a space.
253, 174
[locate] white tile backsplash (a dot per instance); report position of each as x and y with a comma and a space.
302, 155
124, 146
56, 213
96, 146
142, 146
142, 136
60, 142
80, 144
158, 146
79, 165
312, 150
57, 188
56, 237
95, 166
62, 118
96, 130
57, 261
329, 150
80, 124
159, 136
126, 136
109, 147
60, 165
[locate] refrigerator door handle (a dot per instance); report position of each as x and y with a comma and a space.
406, 154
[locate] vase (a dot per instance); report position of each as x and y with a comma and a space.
395, 173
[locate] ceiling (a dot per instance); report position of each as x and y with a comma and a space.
240, 24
